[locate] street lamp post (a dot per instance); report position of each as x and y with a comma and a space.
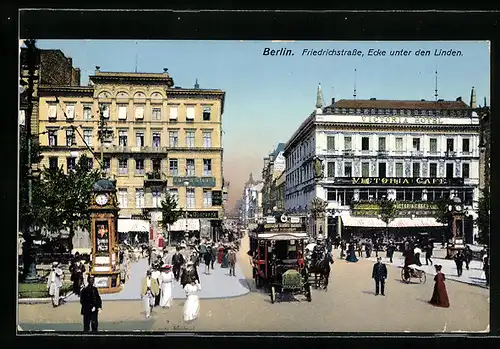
186, 184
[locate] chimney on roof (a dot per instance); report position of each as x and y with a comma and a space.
473, 98
459, 99
97, 69
373, 99
333, 101
485, 101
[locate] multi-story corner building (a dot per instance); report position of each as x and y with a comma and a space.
354, 152
163, 138
274, 165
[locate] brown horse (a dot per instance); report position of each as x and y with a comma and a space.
320, 268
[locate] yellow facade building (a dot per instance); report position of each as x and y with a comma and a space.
162, 138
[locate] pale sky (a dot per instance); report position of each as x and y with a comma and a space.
268, 97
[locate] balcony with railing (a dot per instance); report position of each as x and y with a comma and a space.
382, 153
155, 178
123, 149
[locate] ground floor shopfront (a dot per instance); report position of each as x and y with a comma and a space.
197, 223
348, 224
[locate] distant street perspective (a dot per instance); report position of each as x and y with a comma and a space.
142, 207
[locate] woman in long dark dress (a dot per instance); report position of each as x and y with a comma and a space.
439, 296
351, 254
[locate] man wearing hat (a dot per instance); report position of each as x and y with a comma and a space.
91, 305
189, 274
379, 274
149, 291
166, 278
54, 283
177, 261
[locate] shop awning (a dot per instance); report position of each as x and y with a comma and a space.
369, 222
373, 222
134, 225
414, 222
180, 225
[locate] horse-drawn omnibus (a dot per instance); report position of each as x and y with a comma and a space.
277, 251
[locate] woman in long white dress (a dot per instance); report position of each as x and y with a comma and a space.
192, 304
166, 278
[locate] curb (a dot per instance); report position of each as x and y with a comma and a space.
34, 300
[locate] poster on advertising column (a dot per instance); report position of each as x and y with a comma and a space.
102, 237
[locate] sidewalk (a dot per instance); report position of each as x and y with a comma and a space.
216, 285
473, 276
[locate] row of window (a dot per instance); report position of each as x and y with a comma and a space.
158, 197
399, 144
345, 196
304, 174
307, 148
403, 112
123, 165
123, 139
399, 170
124, 112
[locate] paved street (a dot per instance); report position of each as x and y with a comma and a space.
349, 305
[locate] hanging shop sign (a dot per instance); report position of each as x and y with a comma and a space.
402, 181
203, 214
194, 181
216, 198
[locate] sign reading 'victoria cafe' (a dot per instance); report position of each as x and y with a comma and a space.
403, 181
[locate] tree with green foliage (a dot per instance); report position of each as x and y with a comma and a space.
387, 212
61, 201
170, 212
441, 213
483, 217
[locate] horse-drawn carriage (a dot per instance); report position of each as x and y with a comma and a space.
277, 251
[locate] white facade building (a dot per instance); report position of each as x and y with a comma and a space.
367, 150
251, 202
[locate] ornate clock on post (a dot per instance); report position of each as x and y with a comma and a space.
104, 218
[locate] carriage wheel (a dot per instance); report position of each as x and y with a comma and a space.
273, 294
403, 276
258, 283
422, 277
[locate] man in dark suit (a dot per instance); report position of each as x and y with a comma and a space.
91, 305
379, 273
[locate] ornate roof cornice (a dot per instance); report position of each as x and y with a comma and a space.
48, 90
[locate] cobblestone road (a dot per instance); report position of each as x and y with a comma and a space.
349, 305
